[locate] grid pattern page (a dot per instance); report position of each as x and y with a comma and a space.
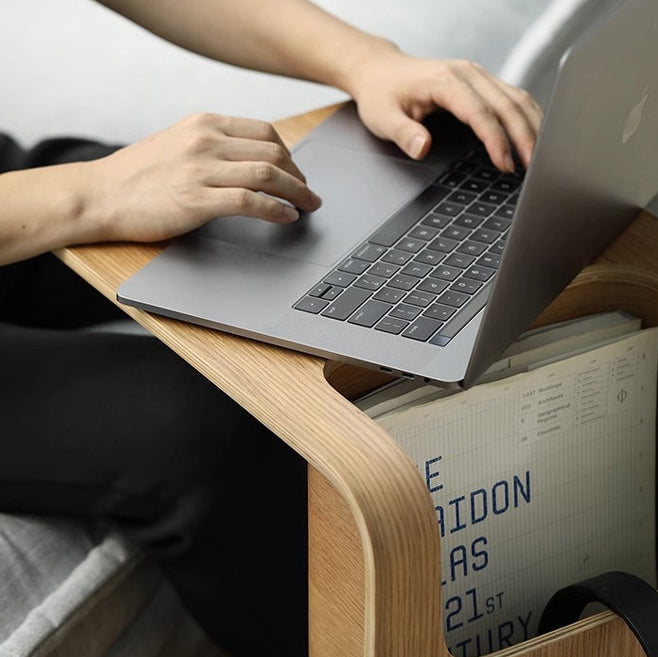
540, 480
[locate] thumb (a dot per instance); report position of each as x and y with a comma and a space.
411, 136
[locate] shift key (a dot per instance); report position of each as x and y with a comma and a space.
347, 303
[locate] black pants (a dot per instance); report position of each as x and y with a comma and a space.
117, 429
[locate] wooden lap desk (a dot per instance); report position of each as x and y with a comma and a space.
374, 560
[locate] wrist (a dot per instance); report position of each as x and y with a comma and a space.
364, 60
81, 204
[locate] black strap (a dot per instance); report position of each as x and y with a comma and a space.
628, 596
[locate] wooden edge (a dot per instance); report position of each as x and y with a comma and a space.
387, 498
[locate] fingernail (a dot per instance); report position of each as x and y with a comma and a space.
290, 213
509, 163
416, 146
315, 198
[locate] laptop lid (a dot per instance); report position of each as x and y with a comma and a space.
594, 167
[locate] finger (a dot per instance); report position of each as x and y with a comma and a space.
519, 106
248, 203
526, 100
471, 108
250, 129
264, 177
519, 121
240, 149
412, 137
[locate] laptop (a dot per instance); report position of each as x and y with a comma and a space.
430, 269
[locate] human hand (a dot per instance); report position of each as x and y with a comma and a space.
394, 92
204, 166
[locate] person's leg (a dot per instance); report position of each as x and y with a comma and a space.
117, 428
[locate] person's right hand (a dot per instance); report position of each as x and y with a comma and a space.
205, 166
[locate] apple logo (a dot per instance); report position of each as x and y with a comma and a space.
635, 117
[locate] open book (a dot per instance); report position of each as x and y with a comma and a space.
540, 479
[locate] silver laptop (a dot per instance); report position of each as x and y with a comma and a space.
430, 270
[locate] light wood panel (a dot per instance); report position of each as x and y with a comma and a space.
375, 580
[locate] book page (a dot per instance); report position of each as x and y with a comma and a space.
539, 481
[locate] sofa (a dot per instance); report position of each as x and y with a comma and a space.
74, 67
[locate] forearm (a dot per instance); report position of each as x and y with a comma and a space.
286, 37
43, 209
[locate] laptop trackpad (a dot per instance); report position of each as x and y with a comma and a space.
359, 190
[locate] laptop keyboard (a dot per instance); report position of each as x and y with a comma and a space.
427, 271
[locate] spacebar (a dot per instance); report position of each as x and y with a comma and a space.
450, 329
400, 223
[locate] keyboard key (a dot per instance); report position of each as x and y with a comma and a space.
417, 269
460, 196
479, 273
410, 245
397, 257
435, 220
494, 197
369, 282
384, 269
486, 173
341, 279
458, 233
406, 312
506, 212
442, 244
460, 260
319, 290
428, 257
497, 223
403, 282
468, 221
506, 185
422, 329
353, 266
420, 298
472, 248
452, 179
449, 209
389, 295
497, 248
332, 293
466, 285
369, 313
475, 186
423, 233
454, 299
514, 199
346, 303
311, 305
489, 260
392, 325
446, 273
433, 285
439, 312
480, 209
484, 235
369, 252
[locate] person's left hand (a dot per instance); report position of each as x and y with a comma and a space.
394, 92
